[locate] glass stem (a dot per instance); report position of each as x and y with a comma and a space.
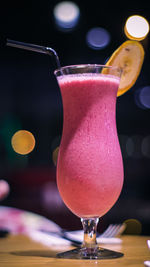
90, 229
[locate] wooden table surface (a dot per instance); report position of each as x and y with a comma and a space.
21, 251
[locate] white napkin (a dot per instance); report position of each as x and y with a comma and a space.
47, 239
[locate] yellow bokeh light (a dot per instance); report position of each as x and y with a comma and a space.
136, 27
55, 155
23, 142
133, 227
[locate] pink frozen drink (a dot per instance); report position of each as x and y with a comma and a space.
90, 167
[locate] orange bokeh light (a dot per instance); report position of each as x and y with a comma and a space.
55, 155
23, 142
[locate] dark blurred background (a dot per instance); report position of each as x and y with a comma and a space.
30, 100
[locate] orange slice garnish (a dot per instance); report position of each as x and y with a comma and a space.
128, 58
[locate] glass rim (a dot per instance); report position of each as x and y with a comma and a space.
78, 66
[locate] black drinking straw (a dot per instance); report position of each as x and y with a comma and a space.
36, 48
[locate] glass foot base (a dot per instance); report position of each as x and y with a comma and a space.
90, 253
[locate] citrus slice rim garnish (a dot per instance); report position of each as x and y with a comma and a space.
128, 57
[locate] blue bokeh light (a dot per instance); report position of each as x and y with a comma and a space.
97, 38
142, 97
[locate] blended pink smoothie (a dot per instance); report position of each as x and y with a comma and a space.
90, 167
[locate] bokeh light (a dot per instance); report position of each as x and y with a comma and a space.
97, 38
142, 97
66, 15
23, 142
55, 155
51, 200
145, 146
134, 142
129, 147
135, 146
136, 27
133, 227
